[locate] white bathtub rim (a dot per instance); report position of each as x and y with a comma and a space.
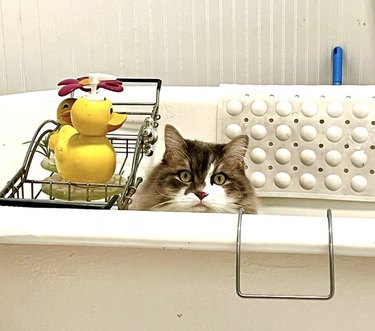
191, 231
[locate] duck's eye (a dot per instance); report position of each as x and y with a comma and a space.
111, 110
185, 176
219, 179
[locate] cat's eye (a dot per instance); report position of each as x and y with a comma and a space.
185, 176
219, 179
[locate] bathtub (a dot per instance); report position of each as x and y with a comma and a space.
72, 269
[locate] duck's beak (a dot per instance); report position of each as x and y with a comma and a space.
116, 121
64, 117
63, 111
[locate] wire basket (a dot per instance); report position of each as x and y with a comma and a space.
25, 191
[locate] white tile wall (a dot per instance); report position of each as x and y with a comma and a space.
185, 42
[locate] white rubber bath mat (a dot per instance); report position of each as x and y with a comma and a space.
305, 141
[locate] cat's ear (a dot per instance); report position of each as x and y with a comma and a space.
175, 144
235, 150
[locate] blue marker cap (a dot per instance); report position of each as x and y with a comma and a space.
337, 66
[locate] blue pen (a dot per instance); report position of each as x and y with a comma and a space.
337, 66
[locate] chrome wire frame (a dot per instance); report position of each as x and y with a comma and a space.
286, 297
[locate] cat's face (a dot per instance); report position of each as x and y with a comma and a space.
202, 177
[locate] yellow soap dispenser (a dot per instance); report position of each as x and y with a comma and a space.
83, 152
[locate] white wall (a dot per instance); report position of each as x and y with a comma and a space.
185, 42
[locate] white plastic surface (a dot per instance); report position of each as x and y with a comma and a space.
214, 232
305, 141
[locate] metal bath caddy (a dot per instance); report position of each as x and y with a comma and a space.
25, 191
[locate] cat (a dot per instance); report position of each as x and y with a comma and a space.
198, 176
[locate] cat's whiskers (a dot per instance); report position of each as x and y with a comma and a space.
186, 205
223, 208
161, 194
241, 195
171, 205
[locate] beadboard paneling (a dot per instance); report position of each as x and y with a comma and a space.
185, 42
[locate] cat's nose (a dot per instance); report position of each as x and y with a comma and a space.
201, 195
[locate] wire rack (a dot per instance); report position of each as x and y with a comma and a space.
25, 191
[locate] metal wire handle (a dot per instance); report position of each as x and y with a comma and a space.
291, 297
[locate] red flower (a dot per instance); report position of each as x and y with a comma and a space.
69, 85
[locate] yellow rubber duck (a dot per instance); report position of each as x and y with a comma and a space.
63, 118
82, 151
63, 111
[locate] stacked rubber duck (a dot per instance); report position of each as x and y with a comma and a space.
83, 153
